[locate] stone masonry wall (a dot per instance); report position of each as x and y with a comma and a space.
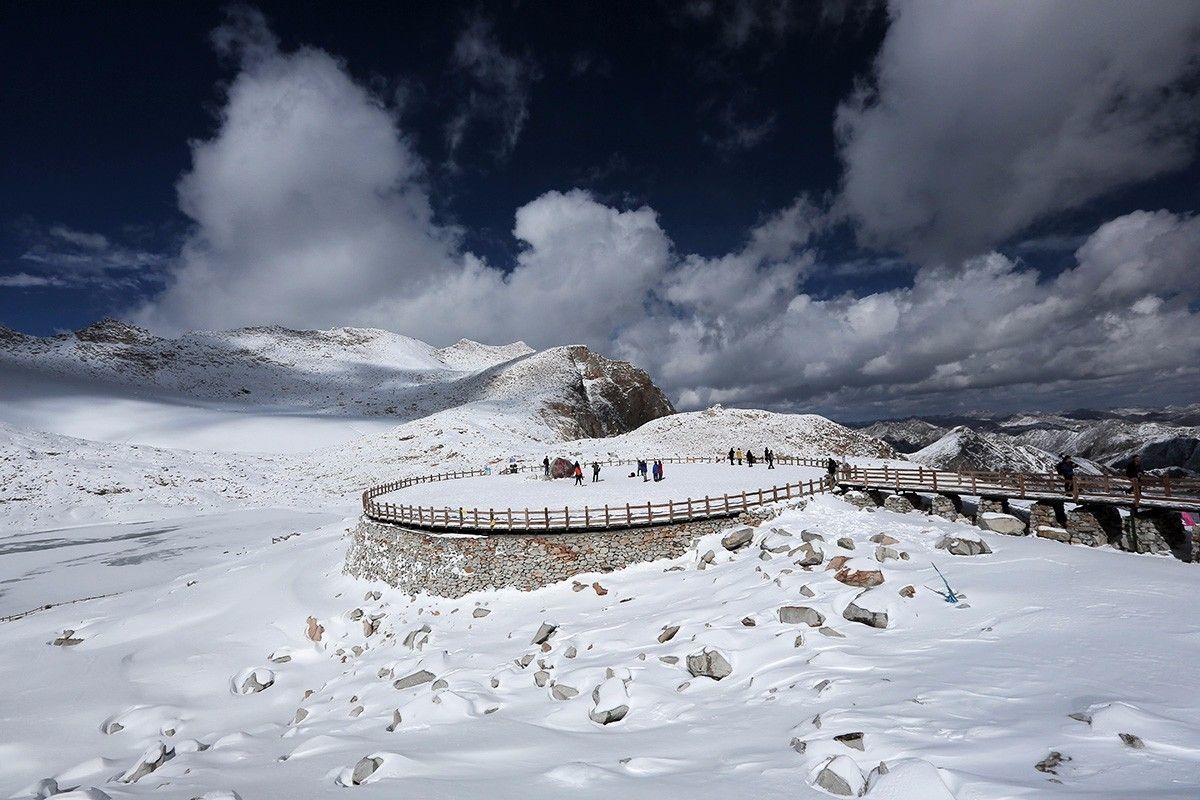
452, 566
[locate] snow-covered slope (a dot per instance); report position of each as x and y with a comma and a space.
965, 450
906, 435
279, 390
955, 701
714, 431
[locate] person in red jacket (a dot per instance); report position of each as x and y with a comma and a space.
578, 474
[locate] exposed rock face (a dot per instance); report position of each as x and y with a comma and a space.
1002, 523
609, 397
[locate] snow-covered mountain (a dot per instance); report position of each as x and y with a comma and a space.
1165, 438
965, 450
282, 390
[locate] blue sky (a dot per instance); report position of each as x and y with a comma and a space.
794, 205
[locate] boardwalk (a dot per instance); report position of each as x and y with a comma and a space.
1152, 492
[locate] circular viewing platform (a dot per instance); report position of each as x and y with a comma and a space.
693, 489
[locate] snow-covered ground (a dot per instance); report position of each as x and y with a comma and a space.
615, 487
957, 700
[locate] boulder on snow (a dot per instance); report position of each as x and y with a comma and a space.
846, 543
155, 756
544, 632
560, 691
709, 664
364, 769
809, 556
1001, 523
840, 775
610, 699
883, 538
801, 615
668, 633
255, 680
859, 611
314, 630
862, 578
737, 539
480, 613
415, 679
959, 546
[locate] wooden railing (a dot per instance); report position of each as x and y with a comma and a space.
1154, 490
629, 515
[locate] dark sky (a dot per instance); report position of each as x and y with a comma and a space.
717, 116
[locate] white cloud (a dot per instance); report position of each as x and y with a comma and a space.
499, 88
984, 117
311, 209
23, 280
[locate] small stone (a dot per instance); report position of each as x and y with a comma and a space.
801, 615
1050, 763
831, 633
396, 720
846, 543
856, 613
314, 630
354, 712
884, 553
1081, 716
576, 586
841, 776
480, 613
356, 615
364, 769
299, 716
810, 536
415, 679
748, 622
257, 681
525, 660
908, 591
963, 547
836, 563
1132, 741
560, 691
799, 642
883, 538
541, 678
668, 633
807, 592
669, 659
570, 652
799, 745
495, 682
710, 664
854, 740
810, 556
440, 684
600, 590
544, 632
862, 578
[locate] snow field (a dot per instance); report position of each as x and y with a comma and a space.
616, 488
956, 700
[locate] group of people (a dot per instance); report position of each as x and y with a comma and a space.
644, 470
738, 455
1066, 468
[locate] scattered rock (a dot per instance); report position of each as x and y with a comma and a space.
799, 745
836, 563
415, 679
801, 615
1050, 763
600, 590
68, 639
370, 626
884, 553
374, 595
857, 613
669, 659
300, 715
841, 776
1132, 741
480, 613
609, 698
356, 615
737, 539
257, 681
315, 629
560, 691
831, 633
883, 538
908, 591
853, 740
576, 586
571, 652
364, 769
810, 556
748, 622
709, 664
525, 660
541, 678
544, 632
1081, 716
396, 720
811, 536
668, 633
1001, 523
416, 639
155, 756
963, 547
846, 543
807, 592
862, 578
439, 684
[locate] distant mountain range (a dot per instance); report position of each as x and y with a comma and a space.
1168, 439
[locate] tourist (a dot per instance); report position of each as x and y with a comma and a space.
739, 456
1133, 471
750, 457
546, 466
770, 458
1066, 468
642, 469
578, 474
731, 456
831, 467
595, 472
658, 471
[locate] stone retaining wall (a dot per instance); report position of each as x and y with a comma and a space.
452, 566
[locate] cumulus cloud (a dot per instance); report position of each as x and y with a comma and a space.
981, 118
1123, 312
311, 209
